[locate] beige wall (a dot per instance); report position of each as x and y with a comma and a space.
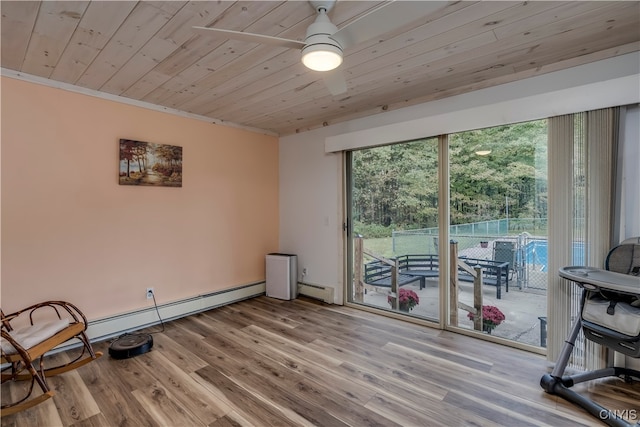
70, 232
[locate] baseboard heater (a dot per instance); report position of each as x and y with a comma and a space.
322, 293
113, 326
109, 327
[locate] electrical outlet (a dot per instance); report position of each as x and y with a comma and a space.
304, 271
149, 293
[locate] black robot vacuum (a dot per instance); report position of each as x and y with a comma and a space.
130, 345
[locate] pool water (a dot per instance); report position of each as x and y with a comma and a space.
536, 252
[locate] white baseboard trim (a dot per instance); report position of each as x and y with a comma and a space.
323, 293
108, 327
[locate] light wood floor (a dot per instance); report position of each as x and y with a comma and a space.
268, 362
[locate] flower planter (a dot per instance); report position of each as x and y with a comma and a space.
407, 300
487, 327
491, 317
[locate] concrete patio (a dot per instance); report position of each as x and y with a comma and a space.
523, 305
522, 308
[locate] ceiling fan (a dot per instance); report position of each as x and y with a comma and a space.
323, 47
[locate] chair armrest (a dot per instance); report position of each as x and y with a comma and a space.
58, 307
9, 317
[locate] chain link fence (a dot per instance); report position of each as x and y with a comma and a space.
527, 254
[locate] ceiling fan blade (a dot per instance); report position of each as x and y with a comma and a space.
387, 17
335, 81
249, 37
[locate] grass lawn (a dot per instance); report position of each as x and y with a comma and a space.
419, 244
381, 246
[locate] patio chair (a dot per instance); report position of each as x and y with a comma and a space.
504, 251
610, 316
27, 335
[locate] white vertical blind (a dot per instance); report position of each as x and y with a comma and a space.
601, 142
444, 212
582, 149
601, 137
626, 219
627, 202
579, 226
560, 229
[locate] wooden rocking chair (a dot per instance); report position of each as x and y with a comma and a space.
44, 326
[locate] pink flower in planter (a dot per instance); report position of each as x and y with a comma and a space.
491, 316
407, 299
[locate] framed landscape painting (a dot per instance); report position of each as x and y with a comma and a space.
144, 163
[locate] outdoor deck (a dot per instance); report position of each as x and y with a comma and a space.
522, 308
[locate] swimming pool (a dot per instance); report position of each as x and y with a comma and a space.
536, 252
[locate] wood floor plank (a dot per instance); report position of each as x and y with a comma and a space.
279, 326
254, 373
265, 315
275, 306
199, 324
256, 410
73, 400
163, 408
415, 351
388, 385
317, 400
488, 409
98, 420
44, 414
494, 391
287, 391
226, 421
509, 412
111, 387
283, 344
435, 413
193, 342
260, 351
238, 416
270, 362
616, 395
177, 354
188, 393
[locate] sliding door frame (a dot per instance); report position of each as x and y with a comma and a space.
444, 213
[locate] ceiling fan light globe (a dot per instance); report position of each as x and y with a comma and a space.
322, 57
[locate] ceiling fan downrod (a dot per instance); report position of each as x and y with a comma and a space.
325, 5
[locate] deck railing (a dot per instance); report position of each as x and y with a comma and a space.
528, 265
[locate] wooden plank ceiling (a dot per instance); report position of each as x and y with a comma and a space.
147, 51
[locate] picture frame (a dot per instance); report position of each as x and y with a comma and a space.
145, 163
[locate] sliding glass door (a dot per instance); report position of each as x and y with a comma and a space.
498, 208
497, 230
393, 214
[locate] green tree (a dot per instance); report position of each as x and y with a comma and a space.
397, 185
